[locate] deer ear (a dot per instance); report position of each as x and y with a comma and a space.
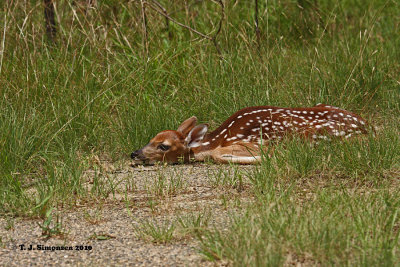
196, 135
187, 125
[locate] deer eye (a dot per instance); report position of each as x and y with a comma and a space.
163, 147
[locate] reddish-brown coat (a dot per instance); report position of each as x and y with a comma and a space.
239, 137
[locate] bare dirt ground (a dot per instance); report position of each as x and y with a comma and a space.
120, 221
108, 230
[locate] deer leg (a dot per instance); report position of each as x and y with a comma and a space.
238, 153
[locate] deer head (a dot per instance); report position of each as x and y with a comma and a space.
172, 146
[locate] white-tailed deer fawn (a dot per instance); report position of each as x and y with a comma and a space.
241, 136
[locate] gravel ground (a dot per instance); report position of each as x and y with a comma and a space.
157, 193
106, 229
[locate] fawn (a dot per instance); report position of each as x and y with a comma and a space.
240, 137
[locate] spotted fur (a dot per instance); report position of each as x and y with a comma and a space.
241, 135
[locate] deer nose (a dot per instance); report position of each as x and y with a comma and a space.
135, 154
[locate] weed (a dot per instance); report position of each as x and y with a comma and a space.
101, 237
9, 224
51, 228
166, 186
157, 232
231, 177
193, 224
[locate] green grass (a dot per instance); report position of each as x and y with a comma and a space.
95, 92
337, 227
183, 227
164, 187
330, 204
156, 232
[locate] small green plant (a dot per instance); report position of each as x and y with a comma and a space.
101, 237
93, 217
193, 224
156, 232
152, 204
51, 228
9, 224
231, 177
99, 186
2, 244
166, 185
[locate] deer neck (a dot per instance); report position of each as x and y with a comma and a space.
205, 148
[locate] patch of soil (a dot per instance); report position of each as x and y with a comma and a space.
103, 233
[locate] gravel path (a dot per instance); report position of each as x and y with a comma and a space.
159, 194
